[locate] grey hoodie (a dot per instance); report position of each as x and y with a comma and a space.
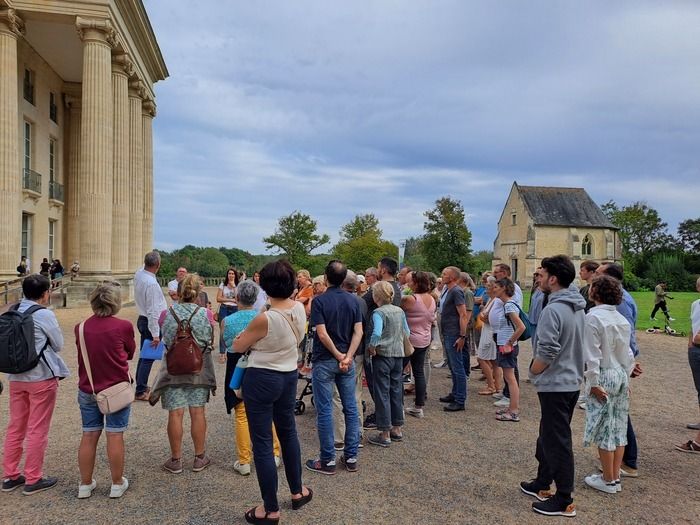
560, 342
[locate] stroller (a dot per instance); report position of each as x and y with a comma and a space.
305, 373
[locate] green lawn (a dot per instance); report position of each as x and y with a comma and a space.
679, 308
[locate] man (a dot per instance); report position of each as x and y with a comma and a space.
502, 271
33, 395
660, 296
350, 285
454, 319
628, 309
538, 300
587, 272
694, 361
403, 277
337, 319
172, 285
150, 302
557, 373
371, 276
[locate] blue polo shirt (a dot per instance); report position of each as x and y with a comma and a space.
338, 311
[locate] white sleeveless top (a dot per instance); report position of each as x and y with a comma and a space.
278, 349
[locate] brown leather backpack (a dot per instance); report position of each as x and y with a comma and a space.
184, 357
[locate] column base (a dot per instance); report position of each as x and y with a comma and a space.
79, 290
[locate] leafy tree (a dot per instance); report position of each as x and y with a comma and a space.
296, 237
360, 226
413, 254
669, 268
361, 245
447, 240
481, 262
689, 234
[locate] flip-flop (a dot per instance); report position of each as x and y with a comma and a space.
486, 392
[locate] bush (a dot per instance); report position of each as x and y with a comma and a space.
669, 268
632, 282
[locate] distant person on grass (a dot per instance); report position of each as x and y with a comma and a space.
660, 296
693, 446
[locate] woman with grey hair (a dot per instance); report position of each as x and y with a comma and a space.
109, 345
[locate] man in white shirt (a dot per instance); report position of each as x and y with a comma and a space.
150, 303
172, 285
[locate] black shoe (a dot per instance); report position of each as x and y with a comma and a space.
554, 506
453, 407
300, 502
316, 465
8, 485
476, 367
370, 422
534, 489
449, 398
350, 463
40, 486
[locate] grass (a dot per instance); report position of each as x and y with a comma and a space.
678, 307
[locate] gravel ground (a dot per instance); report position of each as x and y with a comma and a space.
451, 468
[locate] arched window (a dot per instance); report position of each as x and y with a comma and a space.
586, 246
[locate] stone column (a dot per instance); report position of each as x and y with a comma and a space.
136, 95
72, 207
11, 27
121, 69
96, 135
149, 112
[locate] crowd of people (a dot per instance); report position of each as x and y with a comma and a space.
378, 327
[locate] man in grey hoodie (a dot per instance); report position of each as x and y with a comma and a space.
557, 373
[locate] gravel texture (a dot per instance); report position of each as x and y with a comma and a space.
451, 468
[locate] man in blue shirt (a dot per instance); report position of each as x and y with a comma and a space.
337, 319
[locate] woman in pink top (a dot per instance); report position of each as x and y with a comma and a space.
419, 307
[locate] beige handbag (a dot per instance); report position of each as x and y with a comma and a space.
114, 398
407, 346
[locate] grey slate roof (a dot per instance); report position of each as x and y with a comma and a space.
550, 206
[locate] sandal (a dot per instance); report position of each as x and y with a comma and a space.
250, 517
508, 416
487, 392
300, 502
502, 411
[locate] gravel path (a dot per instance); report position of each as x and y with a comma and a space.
451, 468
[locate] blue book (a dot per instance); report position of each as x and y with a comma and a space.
152, 352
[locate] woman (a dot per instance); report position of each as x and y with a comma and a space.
246, 295
508, 330
386, 349
58, 269
609, 363
110, 345
486, 351
270, 386
305, 288
226, 297
189, 391
45, 268
419, 307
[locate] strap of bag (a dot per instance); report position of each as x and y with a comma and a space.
291, 325
83, 351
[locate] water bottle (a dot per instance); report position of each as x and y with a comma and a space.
238, 372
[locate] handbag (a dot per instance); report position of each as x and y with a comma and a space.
407, 346
112, 399
185, 357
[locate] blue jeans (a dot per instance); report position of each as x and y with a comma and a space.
269, 397
629, 458
143, 368
224, 311
326, 374
459, 366
388, 392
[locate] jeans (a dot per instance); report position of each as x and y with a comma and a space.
327, 374
94, 421
418, 368
388, 391
338, 414
224, 312
369, 374
269, 397
143, 368
629, 457
459, 366
554, 449
694, 361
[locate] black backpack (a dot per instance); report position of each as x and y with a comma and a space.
17, 347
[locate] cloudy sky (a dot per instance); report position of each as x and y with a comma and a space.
383, 106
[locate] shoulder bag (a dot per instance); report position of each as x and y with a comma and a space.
184, 357
114, 398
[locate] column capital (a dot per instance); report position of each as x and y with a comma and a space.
136, 88
96, 30
10, 22
149, 108
122, 64
72, 101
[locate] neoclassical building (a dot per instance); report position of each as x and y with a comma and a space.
76, 114
540, 221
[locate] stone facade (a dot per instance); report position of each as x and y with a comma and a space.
76, 110
525, 236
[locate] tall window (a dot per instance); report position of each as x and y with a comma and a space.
514, 269
52, 161
586, 246
53, 108
27, 145
513, 219
26, 247
52, 237
29, 85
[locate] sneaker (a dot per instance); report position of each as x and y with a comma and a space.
582, 405
143, 396
618, 485
476, 367
350, 463
40, 486
395, 437
415, 412
278, 461
691, 447
85, 491
407, 379
242, 468
554, 506
441, 364
173, 465
453, 407
628, 472
693, 426
497, 395
671, 319
532, 488
316, 465
652, 318
200, 463
370, 422
376, 439
449, 398
503, 402
597, 482
8, 485
117, 491
340, 446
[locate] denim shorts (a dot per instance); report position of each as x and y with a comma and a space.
94, 420
507, 360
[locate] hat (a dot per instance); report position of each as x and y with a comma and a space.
361, 278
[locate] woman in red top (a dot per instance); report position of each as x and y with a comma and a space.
110, 344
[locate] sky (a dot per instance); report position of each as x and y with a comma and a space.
343, 108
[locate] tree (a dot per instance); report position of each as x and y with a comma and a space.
361, 225
296, 237
481, 262
447, 240
361, 245
689, 234
413, 254
641, 230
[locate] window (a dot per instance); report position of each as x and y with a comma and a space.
53, 108
52, 161
514, 269
26, 247
586, 246
513, 219
29, 85
27, 145
52, 237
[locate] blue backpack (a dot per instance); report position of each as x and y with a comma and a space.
529, 328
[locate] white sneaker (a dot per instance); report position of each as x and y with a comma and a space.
415, 412
278, 461
671, 319
652, 318
497, 395
618, 485
441, 364
582, 406
85, 491
503, 402
242, 468
118, 491
597, 482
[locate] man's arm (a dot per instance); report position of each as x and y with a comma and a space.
357, 335
154, 298
548, 346
327, 342
463, 323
